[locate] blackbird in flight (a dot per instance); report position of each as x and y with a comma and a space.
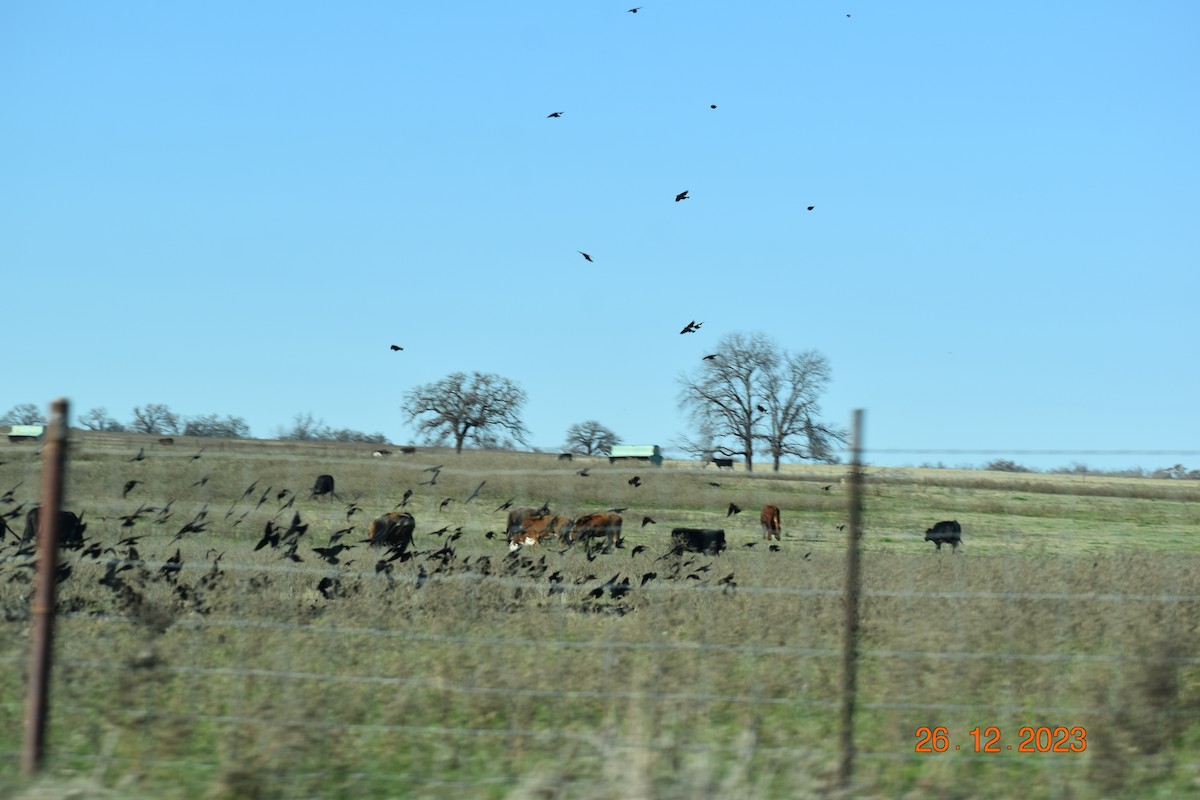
691, 327
639, 8
635, 481
733, 509
555, 115
682, 196
810, 208
397, 347
713, 357
585, 255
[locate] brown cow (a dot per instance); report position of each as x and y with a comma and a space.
534, 529
394, 529
770, 522
516, 520
589, 526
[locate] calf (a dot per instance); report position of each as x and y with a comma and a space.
947, 531
699, 540
770, 522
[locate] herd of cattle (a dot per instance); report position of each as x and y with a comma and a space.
527, 527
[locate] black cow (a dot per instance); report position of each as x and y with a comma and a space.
408, 450
564, 456
323, 486
394, 529
70, 527
699, 540
723, 463
947, 531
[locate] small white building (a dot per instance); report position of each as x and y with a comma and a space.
636, 452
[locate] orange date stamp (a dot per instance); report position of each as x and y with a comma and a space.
1041, 739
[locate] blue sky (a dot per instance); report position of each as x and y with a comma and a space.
235, 208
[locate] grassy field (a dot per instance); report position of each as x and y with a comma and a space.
465, 670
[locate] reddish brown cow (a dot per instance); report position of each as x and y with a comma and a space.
534, 529
588, 526
516, 520
770, 522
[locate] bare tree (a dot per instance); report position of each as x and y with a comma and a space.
591, 438
791, 400
23, 414
154, 418
97, 419
752, 392
212, 425
304, 429
466, 408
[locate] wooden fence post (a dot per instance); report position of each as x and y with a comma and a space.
54, 453
853, 580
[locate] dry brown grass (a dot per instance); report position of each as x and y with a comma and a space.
476, 674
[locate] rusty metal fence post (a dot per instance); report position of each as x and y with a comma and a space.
853, 579
54, 453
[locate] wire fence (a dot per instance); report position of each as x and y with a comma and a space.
501, 675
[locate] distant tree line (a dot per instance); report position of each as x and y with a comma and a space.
158, 419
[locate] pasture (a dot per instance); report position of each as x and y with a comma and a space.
464, 670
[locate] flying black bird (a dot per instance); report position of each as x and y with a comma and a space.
775, 548
635, 10
432, 481
555, 115
141, 454
682, 196
841, 527
648, 521
475, 493
827, 487
749, 544
649, 576
640, 548
635, 481
198, 452
444, 503
330, 554
8, 496
506, 504
810, 208
202, 481
760, 408
490, 535
691, 327
129, 487
733, 509
713, 483
169, 571
713, 106
617, 510
397, 347
585, 255
712, 357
